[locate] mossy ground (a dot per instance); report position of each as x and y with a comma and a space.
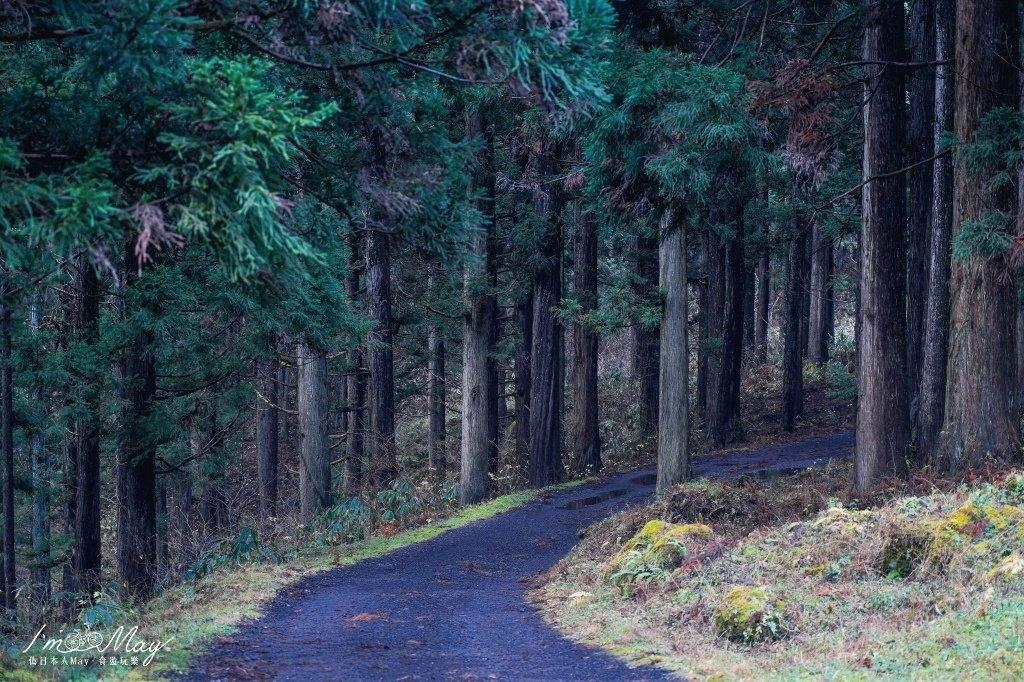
821, 567
195, 613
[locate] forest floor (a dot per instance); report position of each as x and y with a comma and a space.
793, 578
455, 606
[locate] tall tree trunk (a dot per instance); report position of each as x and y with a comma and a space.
805, 297
136, 470
932, 397
380, 353
792, 366
762, 307
586, 436
749, 284
314, 454
545, 355
646, 337
87, 552
7, 446
353, 474
921, 131
821, 274
213, 476
436, 397
70, 480
476, 383
703, 329
1018, 396
1019, 353
266, 434
979, 390
162, 545
485, 203
725, 270
40, 456
183, 504
479, 378
882, 408
673, 421
524, 313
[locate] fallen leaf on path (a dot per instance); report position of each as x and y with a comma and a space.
367, 616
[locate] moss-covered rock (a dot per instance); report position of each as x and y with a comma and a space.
656, 548
748, 615
974, 528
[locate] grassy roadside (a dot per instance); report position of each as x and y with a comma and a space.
793, 579
194, 613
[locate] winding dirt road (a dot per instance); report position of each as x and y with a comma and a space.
454, 607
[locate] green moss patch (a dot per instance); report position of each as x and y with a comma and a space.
654, 551
748, 614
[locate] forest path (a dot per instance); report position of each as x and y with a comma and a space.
454, 607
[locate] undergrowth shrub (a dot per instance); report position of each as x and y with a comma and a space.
399, 502
245, 548
343, 523
839, 382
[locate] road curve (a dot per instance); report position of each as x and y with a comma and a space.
454, 607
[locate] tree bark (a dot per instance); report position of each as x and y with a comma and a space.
314, 453
762, 307
380, 353
40, 456
524, 313
479, 375
436, 398
266, 434
882, 408
673, 420
87, 552
1018, 396
979, 390
212, 500
805, 297
353, 474
7, 448
921, 94
932, 395
162, 544
136, 519
183, 504
725, 271
70, 480
749, 284
545, 354
821, 275
646, 337
586, 435
485, 202
792, 366
703, 330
